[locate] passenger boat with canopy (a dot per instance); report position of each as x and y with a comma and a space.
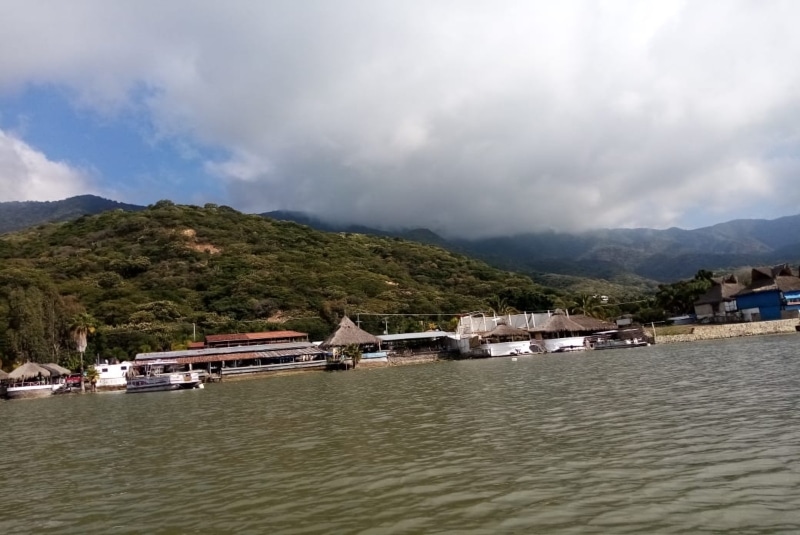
155, 378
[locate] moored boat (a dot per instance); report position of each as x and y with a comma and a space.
619, 344
32, 380
154, 382
32, 390
617, 339
112, 376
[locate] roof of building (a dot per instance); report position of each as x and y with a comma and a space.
429, 335
248, 337
722, 289
245, 355
348, 333
504, 331
559, 322
29, 370
478, 323
225, 353
592, 324
55, 369
779, 278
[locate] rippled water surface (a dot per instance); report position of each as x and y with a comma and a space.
665, 439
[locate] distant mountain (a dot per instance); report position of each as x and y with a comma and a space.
630, 258
618, 255
20, 215
419, 235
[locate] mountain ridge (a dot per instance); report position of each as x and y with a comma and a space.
651, 254
640, 256
18, 215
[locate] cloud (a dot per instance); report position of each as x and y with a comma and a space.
471, 118
27, 175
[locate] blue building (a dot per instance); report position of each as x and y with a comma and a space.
771, 291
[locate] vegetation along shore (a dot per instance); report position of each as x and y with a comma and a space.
159, 278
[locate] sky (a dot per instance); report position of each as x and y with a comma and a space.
470, 118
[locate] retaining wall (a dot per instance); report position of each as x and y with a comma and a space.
733, 330
419, 358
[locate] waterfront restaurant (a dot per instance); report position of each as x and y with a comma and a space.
439, 343
256, 353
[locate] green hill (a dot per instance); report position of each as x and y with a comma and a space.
18, 215
151, 277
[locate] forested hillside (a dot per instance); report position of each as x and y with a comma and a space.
149, 278
18, 215
626, 259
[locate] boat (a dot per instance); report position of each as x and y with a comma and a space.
32, 380
569, 348
33, 390
603, 343
112, 376
615, 340
157, 381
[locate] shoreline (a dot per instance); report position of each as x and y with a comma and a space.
730, 330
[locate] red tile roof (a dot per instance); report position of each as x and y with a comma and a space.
246, 337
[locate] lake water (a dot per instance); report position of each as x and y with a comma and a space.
693, 438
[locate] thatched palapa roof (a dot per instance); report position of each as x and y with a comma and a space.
56, 370
505, 331
3, 375
348, 333
559, 322
29, 370
592, 324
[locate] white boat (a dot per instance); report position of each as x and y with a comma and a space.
153, 382
512, 349
617, 339
32, 390
112, 376
565, 345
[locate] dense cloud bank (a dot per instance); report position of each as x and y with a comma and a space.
470, 117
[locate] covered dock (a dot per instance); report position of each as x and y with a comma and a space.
219, 362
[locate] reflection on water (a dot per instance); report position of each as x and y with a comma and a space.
685, 438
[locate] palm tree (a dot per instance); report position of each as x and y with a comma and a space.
500, 307
93, 375
589, 305
565, 303
352, 351
82, 326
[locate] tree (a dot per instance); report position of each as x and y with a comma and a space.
82, 326
352, 351
27, 324
92, 375
500, 307
564, 303
589, 305
679, 297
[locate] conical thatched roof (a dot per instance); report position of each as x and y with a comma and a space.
560, 323
55, 369
29, 370
347, 333
3, 375
503, 330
